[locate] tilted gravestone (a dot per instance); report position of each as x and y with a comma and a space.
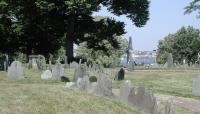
120, 74
196, 86
57, 71
79, 72
46, 75
15, 71
83, 83
104, 86
70, 85
125, 90
143, 100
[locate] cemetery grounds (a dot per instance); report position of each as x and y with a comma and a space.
36, 96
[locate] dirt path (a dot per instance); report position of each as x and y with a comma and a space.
188, 103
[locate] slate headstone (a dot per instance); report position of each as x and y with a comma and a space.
46, 75
57, 72
104, 86
15, 71
125, 91
83, 83
79, 72
196, 86
130, 66
120, 74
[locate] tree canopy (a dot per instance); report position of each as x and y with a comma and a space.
184, 44
43, 26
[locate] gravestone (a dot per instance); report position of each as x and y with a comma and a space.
196, 86
41, 61
169, 63
168, 107
130, 66
104, 86
57, 72
34, 64
79, 72
46, 75
125, 91
120, 74
83, 83
146, 101
70, 85
15, 71
73, 65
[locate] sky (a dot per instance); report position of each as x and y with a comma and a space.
166, 16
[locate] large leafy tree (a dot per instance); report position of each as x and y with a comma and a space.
184, 44
45, 25
113, 58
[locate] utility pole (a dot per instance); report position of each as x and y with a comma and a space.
128, 49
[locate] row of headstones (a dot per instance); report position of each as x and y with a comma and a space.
16, 71
142, 99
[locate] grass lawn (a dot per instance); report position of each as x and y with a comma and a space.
36, 96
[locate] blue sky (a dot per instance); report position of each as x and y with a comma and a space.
166, 16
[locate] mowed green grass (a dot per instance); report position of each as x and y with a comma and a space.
35, 96
176, 83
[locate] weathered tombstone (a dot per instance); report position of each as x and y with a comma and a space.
73, 65
130, 66
41, 61
168, 107
70, 85
15, 71
79, 72
143, 100
196, 86
125, 91
169, 62
120, 74
83, 83
46, 75
104, 86
34, 64
57, 72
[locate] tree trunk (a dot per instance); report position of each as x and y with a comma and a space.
70, 39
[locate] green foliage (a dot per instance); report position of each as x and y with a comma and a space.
113, 58
21, 57
43, 26
184, 44
194, 6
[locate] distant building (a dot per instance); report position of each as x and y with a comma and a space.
140, 57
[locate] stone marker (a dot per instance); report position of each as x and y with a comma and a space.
57, 72
196, 86
79, 72
130, 66
41, 62
104, 86
168, 107
34, 64
15, 71
73, 65
70, 85
83, 83
169, 63
120, 74
46, 75
143, 100
125, 91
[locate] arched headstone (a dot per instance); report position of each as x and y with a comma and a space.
15, 71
